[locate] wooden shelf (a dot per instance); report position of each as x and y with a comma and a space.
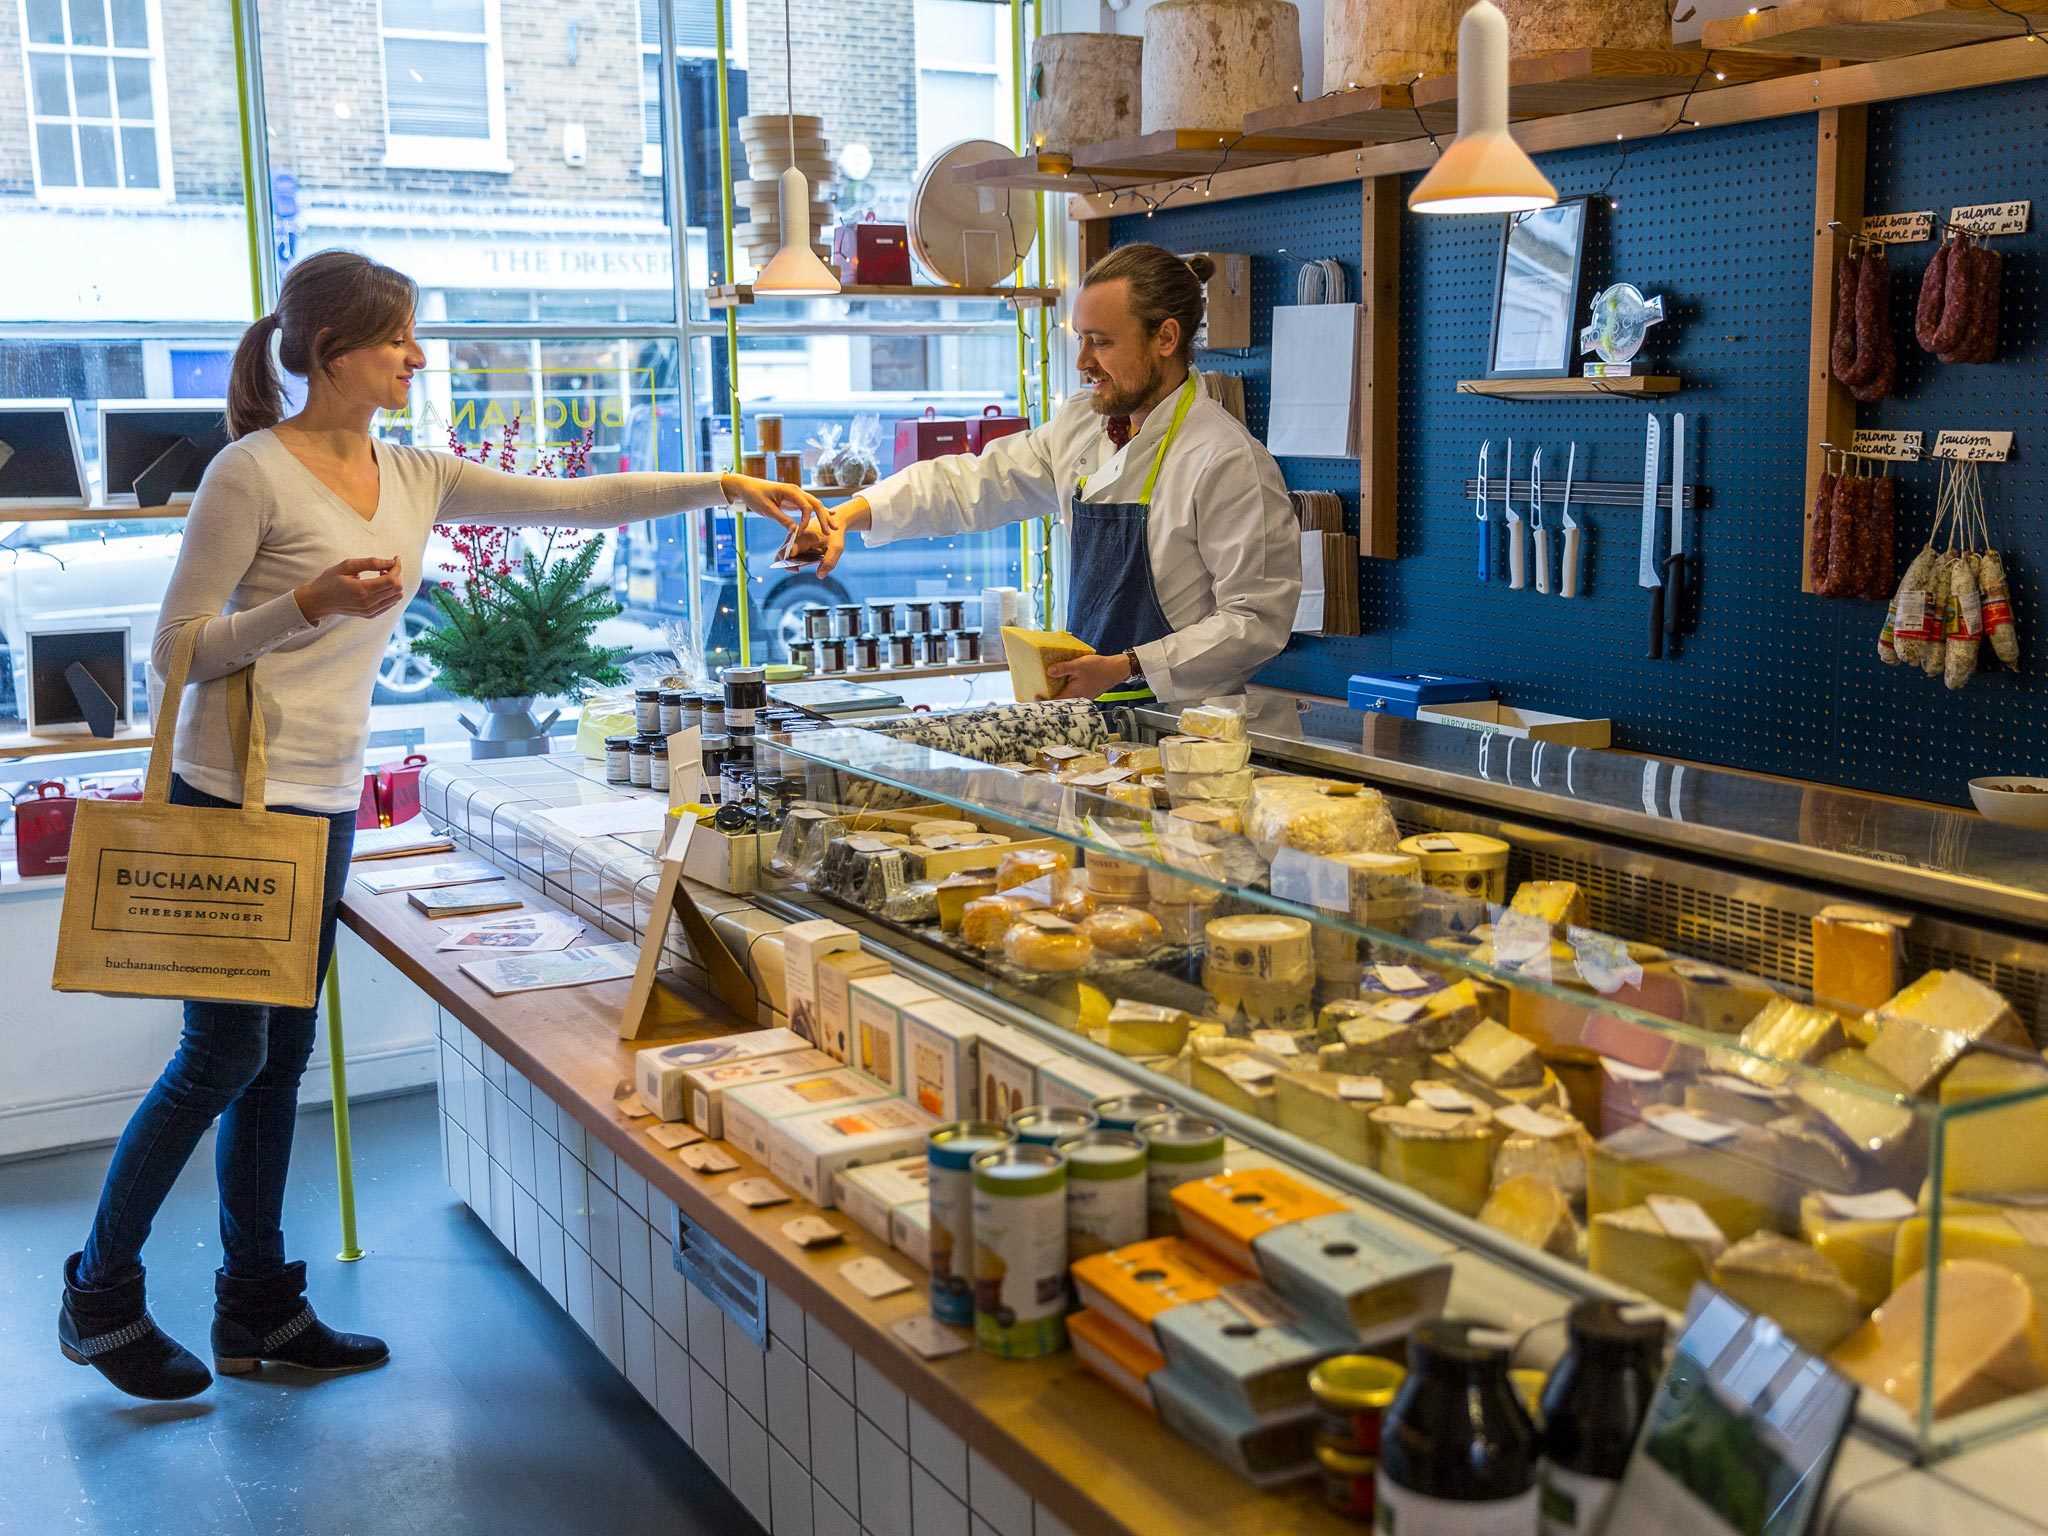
16, 744
1164, 156
733, 295
1635, 388
1864, 30
882, 676
61, 513
1372, 114
1587, 79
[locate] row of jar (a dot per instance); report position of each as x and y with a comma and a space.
910, 616
871, 653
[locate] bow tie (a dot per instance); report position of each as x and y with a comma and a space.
1119, 430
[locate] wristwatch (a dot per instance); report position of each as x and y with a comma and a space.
1131, 661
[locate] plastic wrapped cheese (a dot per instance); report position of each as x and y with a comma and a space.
1319, 816
1200, 754
1042, 941
1213, 721
1204, 788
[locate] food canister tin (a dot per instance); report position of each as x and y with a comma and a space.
1465, 863
1020, 1251
1106, 1191
1179, 1147
950, 1151
640, 762
1354, 1393
1348, 1483
618, 759
1126, 1111
1046, 1125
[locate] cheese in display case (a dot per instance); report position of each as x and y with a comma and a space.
1490, 1022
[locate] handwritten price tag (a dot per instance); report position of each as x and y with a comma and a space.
1993, 218
1901, 447
1974, 447
1899, 228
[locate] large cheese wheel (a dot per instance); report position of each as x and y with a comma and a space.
1543, 26
1084, 88
1209, 62
1388, 42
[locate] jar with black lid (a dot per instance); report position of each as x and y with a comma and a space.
618, 759
692, 713
657, 766
739, 745
952, 613
885, 617
867, 652
714, 714
647, 710
846, 620
902, 650
804, 654
832, 655
714, 763
671, 710
917, 617
1593, 1407
1458, 1451
642, 762
935, 648
817, 622
966, 646
746, 695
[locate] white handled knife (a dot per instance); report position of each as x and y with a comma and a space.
1648, 572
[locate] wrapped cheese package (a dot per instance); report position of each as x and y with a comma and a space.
1213, 721
1319, 816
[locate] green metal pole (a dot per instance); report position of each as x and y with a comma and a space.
337, 1070
732, 336
1044, 356
1020, 68
243, 64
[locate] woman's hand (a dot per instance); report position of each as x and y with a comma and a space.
356, 589
770, 499
820, 539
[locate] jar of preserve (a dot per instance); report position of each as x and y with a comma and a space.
657, 766
917, 617
647, 710
832, 655
1593, 1406
671, 710
618, 759
817, 622
935, 648
867, 652
692, 714
846, 620
885, 617
952, 613
714, 763
641, 762
902, 650
1457, 1451
966, 646
804, 653
746, 695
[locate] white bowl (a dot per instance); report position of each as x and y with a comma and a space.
2026, 808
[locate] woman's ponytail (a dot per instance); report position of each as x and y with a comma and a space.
255, 393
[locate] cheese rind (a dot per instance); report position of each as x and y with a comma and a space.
1031, 651
1988, 1343
1791, 1284
1734, 1180
1856, 956
1925, 1030
1448, 1157
1631, 1246
1996, 1151
1861, 1249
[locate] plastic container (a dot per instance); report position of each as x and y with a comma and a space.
1106, 1190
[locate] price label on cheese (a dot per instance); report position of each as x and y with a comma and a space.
1247, 1071
1364, 1090
1101, 780
1278, 1041
1881, 1205
1900, 447
1993, 218
1974, 447
1604, 960
1525, 1121
2031, 1225
1628, 1071
1400, 978
1898, 229
1685, 1219
1399, 1010
1519, 937
1741, 1085
1437, 844
867, 844
1443, 1096
1694, 970
1689, 1126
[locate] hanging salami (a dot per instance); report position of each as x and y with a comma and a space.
1933, 288
1872, 353
1880, 530
1818, 532
1842, 347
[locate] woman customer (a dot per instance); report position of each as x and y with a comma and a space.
301, 548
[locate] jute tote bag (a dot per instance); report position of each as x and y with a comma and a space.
219, 904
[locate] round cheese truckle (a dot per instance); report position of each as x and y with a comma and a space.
1209, 62
1388, 42
1084, 88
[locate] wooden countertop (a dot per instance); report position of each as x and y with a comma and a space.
1099, 1462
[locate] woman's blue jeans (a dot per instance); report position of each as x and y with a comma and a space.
239, 1063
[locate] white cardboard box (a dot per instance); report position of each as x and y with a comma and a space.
660, 1072
750, 1113
942, 1057
1491, 715
803, 946
868, 1193
877, 1004
836, 976
910, 1229
1068, 1082
1008, 1069
708, 1085
805, 1151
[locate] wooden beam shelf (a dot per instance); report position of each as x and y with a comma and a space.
1587, 79
17, 744
40, 512
1164, 156
1868, 29
722, 296
1636, 387
1372, 114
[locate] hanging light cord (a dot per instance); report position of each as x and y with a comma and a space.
788, 85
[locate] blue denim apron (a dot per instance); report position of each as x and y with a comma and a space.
1111, 601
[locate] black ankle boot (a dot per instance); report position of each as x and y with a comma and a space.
258, 1320
111, 1330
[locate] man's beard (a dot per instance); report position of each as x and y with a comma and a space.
1128, 402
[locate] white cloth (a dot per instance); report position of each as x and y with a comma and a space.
262, 524
1223, 540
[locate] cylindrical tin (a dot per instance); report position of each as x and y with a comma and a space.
657, 766
640, 763
1106, 1190
618, 759
1354, 1393
1043, 1125
768, 432
817, 622
902, 650
1178, 1147
950, 1151
1126, 1111
647, 710
1020, 1251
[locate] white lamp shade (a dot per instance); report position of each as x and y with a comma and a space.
795, 270
1484, 170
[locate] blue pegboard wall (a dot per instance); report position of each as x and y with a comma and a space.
1719, 221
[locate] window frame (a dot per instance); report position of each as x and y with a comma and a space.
165, 190
995, 72
439, 152
735, 58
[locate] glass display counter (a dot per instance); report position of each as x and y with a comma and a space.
1615, 1068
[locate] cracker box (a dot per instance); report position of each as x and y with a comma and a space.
1250, 1348
708, 1085
1008, 1069
1115, 1356
1264, 1453
1133, 1285
870, 1192
1226, 1212
1065, 1082
660, 1073
1355, 1274
942, 1057
877, 1004
749, 1112
836, 976
910, 1229
806, 1151
803, 946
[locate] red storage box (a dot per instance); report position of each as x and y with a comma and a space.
990, 425
872, 253
930, 436
42, 829
367, 812
398, 789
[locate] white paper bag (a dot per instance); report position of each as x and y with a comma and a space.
1315, 375
1308, 612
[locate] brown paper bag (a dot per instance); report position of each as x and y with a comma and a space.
164, 900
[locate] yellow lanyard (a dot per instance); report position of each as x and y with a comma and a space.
1180, 414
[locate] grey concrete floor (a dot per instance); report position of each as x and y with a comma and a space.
496, 1415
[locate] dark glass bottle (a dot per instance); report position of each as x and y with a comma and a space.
1458, 1451
1593, 1407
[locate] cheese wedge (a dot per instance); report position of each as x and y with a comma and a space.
1030, 651
1996, 1151
1733, 1180
1792, 1285
956, 890
1782, 1033
1988, 1343
1532, 1210
1557, 902
1499, 1057
1331, 1110
1857, 952
1446, 1157
1556, 1152
1990, 1238
1860, 1248
1925, 1030
1631, 1246
1145, 1029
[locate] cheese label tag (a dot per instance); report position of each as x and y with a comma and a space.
1685, 1124
1278, 1041
809, 1231
2032, 1225
706, 1157
1248, 1071
1628, 1071
1437, 844
1399, 1010
1881, 1205
1400, 978
675, 1136
932, 1339
633, 1107
1100, 780
754, 1193
872, 1278
1742, 1085
1444, 1097
1363, 1089
1527, 1122
1685, 1219
867, 845
1519, 937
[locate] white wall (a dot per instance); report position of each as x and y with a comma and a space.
74, 1066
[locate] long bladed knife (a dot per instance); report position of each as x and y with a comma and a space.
1648, 572
1674, 561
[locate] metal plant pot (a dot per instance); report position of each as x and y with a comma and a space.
509, 729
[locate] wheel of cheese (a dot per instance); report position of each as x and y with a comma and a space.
1388, 42
1259, 946
1543, 26
1232, 789
1212, 721
984, 921
1201, 754
1123, 931
1042, 942
1209, 62
1084, 88
1021, 866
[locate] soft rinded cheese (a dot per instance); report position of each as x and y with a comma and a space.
1856, 955
1532, 1210
1793, 1286
1631, 1246
1499, 1057
1860, 1248
1992, 1238
1201, 754
1783, 1032
1988, 1343
1212, 720
1030, 651
1734, 1180
1996, 1151
1444, 1156
1556, 902
1918, 1035
1125, 754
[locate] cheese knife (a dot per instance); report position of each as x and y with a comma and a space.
1480, 511
1568, 576
1648, 572
1539, 530
1518, 576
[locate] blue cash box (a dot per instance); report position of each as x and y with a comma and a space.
1403, 693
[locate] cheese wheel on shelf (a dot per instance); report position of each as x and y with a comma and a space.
1259, 946
1201, 754
1988, 1341
1227, 788
1123, 931
1212, 721
1042, 941
985, 921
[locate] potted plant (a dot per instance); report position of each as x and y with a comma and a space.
516, 621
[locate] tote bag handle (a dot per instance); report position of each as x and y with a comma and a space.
245, 727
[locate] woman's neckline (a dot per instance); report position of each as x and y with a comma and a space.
332, 494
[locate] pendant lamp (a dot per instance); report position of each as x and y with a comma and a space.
1484, 170
794, 271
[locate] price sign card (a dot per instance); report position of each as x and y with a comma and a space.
1974, 447
1899, 228
1902, 447
1993, 218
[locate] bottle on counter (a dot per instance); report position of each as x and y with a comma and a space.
714, 763
867, 652
1458, 1455
641, 763
917, 617
746, 695
1593, 1407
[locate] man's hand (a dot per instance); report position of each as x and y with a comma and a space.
769, 498
358, 589
820, 539
1089, 677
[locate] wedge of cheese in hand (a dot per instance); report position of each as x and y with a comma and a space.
1031, 651
1987, 1341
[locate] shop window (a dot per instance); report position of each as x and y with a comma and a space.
443, 85
963, 61
97, 127
696, 38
